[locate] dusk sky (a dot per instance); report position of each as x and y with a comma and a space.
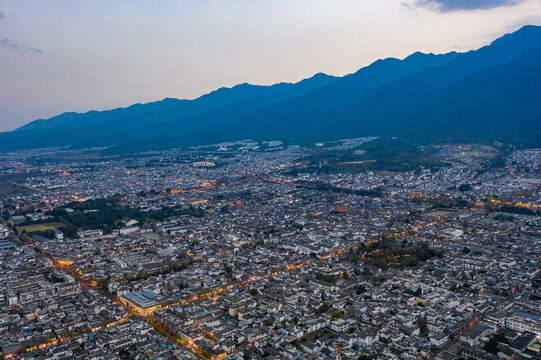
72, 55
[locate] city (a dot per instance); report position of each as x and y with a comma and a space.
248, 250
270, 180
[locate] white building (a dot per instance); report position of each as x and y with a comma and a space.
524, 321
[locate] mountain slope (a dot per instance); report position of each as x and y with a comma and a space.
71, 128
483, 95
501, 102
395, 108
214, 99
242, 117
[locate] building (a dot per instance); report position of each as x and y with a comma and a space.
524, 321
58, 234
143, 302
203, 164
339, 325
4, 232
89, 233
127, 222
6, 245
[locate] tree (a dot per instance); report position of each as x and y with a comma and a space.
323, 308
501, 338
423, 329
103, 283
337, 315
464, 187
491, 345
367, 272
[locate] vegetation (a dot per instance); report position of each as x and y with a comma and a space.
519, 210
326, 278
423, 329
398, 155
337, 315
502, 217
361, 289
387, 253
323, 308
492, 345
465, 187
38, 228
10, 185
447, 203
383, 154
106, 213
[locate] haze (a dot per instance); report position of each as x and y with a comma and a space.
59, 56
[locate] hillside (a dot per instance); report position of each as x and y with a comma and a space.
482, 95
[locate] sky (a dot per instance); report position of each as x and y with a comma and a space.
79, 55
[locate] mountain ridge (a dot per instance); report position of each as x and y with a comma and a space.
390, 97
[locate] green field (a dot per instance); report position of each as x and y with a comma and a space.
37, 227
9, 185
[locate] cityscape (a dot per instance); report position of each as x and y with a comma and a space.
270, 180
241, 250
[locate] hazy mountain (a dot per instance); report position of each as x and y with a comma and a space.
247, 115
420, 104
501, 102
421, 107
179, 108
72, 128
483, 95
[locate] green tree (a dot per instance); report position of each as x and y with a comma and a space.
423, 328
337, 315
361, 289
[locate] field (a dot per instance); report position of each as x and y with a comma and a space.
378, 155
440, 213
38, 227
151, 236
528, 181
9, 185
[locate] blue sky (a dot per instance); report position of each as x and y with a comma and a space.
77, 55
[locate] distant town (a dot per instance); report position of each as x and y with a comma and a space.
363, 248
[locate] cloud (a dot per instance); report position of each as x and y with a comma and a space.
35, 50
457, 5
2, 15
7, 43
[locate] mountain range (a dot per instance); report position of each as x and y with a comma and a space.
484, 95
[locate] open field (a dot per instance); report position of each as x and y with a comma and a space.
528, 180
440, 213
38, 227
151, 236
10, 185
